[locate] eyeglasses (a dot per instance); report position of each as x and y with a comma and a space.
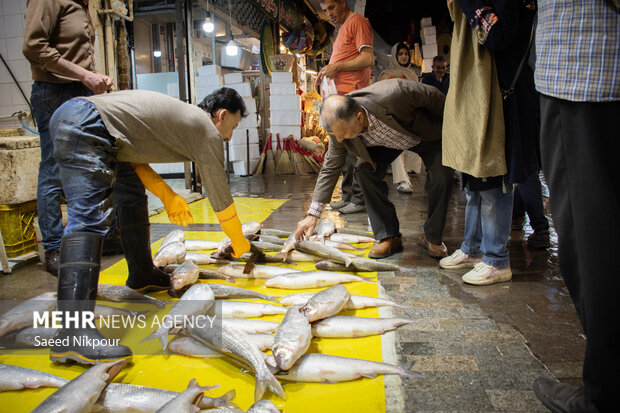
440, 67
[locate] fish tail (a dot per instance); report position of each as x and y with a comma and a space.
405, 370
157, 303
267, 380
222, 400
161, 334
273, 298
348, 261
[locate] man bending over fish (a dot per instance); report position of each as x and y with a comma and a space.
376, 124
103, 145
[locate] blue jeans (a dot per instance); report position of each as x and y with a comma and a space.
90, 174
528, 198
488, 216
46, 98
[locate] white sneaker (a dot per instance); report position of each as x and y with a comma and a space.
459, 259
485, 274
404, 187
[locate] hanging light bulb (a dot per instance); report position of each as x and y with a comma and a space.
157, 53
208, 25
231, 48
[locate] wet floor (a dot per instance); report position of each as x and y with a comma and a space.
479, 347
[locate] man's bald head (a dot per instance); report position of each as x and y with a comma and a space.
342, 117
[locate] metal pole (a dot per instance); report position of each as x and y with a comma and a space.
227, 163
247, 153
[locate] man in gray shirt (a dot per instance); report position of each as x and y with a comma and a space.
103, 145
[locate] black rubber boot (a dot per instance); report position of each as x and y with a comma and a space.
80, 262
136, 240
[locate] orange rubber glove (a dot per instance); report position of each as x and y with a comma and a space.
176, 206
229, 221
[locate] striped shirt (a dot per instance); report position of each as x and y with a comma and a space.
577, 50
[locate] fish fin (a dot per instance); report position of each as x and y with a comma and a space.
267, 380
229, 279
273, 298
222, 400
327, 381
405, 370
348, 261
161, 334
369, 375
157, 303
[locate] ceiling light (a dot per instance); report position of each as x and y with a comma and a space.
208, 25
157, 53
231, 48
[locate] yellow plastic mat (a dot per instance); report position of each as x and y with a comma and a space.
173, 372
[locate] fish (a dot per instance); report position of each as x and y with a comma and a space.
242, 309
350, 238
323, 251
292, 338
251, 228
325, 368
262, 341
353, 327
250, 326
259, 271
266, 246
199, 245
237, 344
298, 256
340, 245
275, 232
196, 301
26, 336
172, 253
203, 274
119, 293
132, 398
326, 303
310, 279
356, 302
187, 401
19, 378
189, 346
185, 274
354, 231
173, 236
21, 315
81, 393
102, 310
263, 406
289, 245
228, 291
271, 239
200, 259
324, 229
358, 265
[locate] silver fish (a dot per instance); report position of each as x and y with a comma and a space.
21, 315
18, 378
271, 239
262, 341
203, 274
324, 251
172, 253
199, 244
354, 231
242, 309
251, 326
259, 271
275, 232
118, 293
31, 337
187, 401
289, 245
358, 265
81, 393
131, 398
326, 303
173, 236
189, 346
352, 327
310, 279
186, 274
251, 228
237, 344
356, 302
263, 406
196, 301
292, 338
266, 246
228, 291
200, 259
325, 368
340, 245
325, 228
351, 239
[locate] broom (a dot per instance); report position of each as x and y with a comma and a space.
269, 164
302, 166
310, 160
278, 153
284, 165
258, 169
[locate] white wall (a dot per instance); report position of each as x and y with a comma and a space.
11, 37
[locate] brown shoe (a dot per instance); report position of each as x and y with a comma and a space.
562, 397
386, 247
434, 250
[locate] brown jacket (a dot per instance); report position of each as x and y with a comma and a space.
55, 29
408, 107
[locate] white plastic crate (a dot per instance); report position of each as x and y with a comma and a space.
250, 105
286, 103
282, 89
233, 78
209, 70
281, 77
426, 65
285, 117
243, 89
249, 121
239, 136
209, 80
429, 50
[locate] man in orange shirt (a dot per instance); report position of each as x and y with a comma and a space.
350, 68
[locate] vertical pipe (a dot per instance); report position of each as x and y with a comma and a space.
247, 154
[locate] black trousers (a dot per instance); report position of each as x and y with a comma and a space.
580, 146
381, 211
351, 191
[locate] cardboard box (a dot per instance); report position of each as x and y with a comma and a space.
427, 21
239, 152
282, 89
285, 102
233, 78
243, 89
239, 136
285, 131
281, 77
429, 50
285, 117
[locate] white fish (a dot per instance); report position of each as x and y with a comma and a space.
350, 238
311, 279
324, 368
341, 245
271, 239
185, 274
200, 259
242, 309
326, 303
228, 291
187, 401
352, 327
292, 338
259, 271
275, 232
324, 229
173, 236
189, 346
171, 253
251, 326
251, 228
196, 301
33, 337
18, 378
324, 251
21, 315
131, 398
356, 302
199, 244
296, 256
81, 393
118, 293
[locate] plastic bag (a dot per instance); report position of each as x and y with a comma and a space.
328, 87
